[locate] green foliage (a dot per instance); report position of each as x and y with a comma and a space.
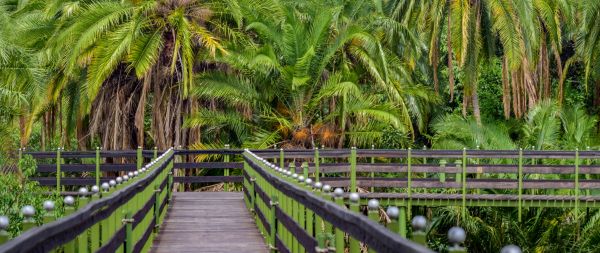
28, 166
16, 192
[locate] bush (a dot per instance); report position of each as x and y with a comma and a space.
16, 192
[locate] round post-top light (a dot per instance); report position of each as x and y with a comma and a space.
95, 189
135, 173
338, 192
354, 197
48, 205
318, 185
393, 212
28, 211
4, 222
511, 249
294, 176
300, 179
83, 191
373, 204
69, 200
419, 223
105, 186
112, 183
125, 178
326, 188
308, 181
119, 180
130, 174
456, 235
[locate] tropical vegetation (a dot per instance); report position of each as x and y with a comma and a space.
445, 74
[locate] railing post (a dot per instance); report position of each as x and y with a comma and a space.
424, 160
322, 158
157, 192
97, 174
155, 153
273, 223
105, 225
409, 179
69, 202
520, 176
355, 207
456, 236
588, 162
305, 169
442, 173
372, 173
479, 171
4, 223
373, 212
338, 196
464, 182
419, 224
58, 172
326, 190
319, 234
140, 158
82, 239
457, 175
576, 210
353, 169
226, 173
317, 169
95, 230
281, 159
308, 183
394, 213
128, 222
28, 221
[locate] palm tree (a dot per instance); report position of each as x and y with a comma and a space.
528, 32
304, 76
21, 75
124, 57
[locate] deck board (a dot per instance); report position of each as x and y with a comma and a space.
208, 222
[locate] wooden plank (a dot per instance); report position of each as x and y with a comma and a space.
208, 179
209, 165
208, 222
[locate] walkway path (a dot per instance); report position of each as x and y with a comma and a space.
208, 222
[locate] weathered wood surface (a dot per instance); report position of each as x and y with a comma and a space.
208, 222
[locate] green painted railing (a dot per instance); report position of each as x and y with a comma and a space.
291, 213
122, 215
298, 216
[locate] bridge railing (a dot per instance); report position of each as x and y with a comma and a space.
200, 167
121, 216
295, 217
510, 178
68, 170
65, 170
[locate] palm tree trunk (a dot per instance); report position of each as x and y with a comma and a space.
476, 109
506, 99
450, 65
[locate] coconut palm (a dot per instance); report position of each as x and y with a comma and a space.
124, 56
21, 75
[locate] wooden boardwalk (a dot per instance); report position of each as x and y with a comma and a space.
208, 222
